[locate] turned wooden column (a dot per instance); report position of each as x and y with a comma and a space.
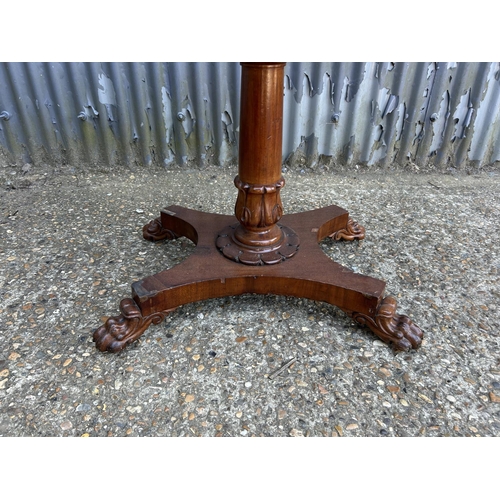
258, 239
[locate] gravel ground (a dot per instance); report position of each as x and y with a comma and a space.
71, 245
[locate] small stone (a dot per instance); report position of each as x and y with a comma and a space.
66, 425
305, 329
241, 339
281, 414
134, 409
494, 398
404, 402
14, 355
393, 388
452, 399
83, 407
196, 357
189, 398
239, 414
351, 427
85, 435
218, 427
385, 372
248, 384
425, 398
296, 433
67, 362
4, 373
285, 315
322, 390
339, 429
200, 368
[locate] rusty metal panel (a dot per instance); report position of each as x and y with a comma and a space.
365, 113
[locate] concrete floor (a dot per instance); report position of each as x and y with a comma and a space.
71, 245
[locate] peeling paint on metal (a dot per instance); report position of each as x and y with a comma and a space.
461, 115
362, 113
187, 119
485, 143
168, 123
439, 121
106, 90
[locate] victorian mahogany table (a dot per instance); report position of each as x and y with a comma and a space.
261, 250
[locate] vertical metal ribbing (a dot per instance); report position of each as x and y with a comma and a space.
57, 115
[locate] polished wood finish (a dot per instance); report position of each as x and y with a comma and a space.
260, 250
258, 239
261, 122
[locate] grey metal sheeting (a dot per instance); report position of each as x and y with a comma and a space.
443, 114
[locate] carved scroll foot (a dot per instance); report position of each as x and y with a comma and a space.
353, 231
154, 231
396, 329
119, 331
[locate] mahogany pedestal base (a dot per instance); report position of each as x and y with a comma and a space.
303, 271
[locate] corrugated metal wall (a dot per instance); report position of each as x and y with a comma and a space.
162, 113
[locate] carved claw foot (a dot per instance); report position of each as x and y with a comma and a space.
396, 329
353, 231
119, 331
154, 231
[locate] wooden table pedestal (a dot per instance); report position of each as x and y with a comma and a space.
259, 250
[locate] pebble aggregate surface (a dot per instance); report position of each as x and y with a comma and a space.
71, 245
